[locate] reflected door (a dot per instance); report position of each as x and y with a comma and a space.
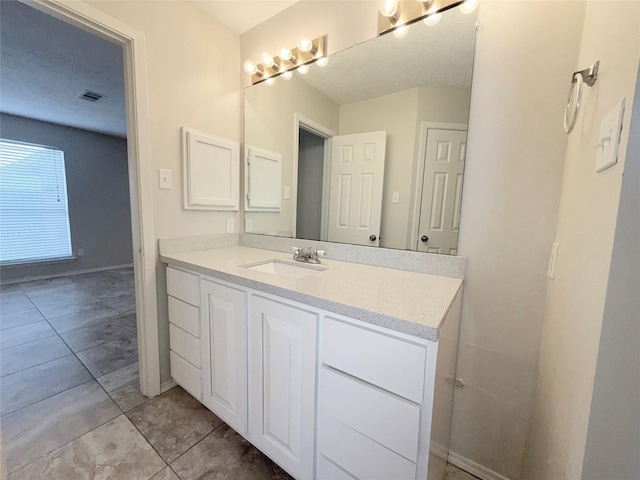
357, 176
442, 191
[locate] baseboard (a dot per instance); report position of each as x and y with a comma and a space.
168, 385
66, 274
439, 450
474, 468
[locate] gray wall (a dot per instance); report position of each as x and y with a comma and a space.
98, 193
310, 168
613, 438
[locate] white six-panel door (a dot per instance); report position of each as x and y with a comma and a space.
442, 191
282, 376
357, 177
224, 364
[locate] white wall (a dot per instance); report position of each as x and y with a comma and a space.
513, 174
269, 117
193, 80
586, 227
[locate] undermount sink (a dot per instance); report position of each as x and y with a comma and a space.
287, 269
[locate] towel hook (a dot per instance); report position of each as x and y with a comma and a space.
588, 76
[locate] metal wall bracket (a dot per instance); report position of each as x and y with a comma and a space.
589, 75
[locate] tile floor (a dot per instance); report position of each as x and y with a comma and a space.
69, 400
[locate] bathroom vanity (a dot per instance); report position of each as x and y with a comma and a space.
335, 371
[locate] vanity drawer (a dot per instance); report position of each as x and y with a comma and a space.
389, 420
184, 316
388, 362
358, 455
186, 375
187, 346
183, 285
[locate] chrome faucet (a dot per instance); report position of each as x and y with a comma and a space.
307, 255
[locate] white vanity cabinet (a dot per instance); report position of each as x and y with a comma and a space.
282, 382
224, 352
325, 396
374, 403
184, 329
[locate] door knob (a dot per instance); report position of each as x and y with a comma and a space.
373, 238
424, 239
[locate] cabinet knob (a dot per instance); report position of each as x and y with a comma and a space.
424, 239
373, 238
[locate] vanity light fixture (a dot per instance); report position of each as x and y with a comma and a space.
401, 31
323, 62
407, 12
433, 19
307, 52
468, 6
389, 8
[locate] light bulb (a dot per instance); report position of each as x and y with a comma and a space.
284, 54
323, 61
303, 69
468, 6
389, 8
270, 81
250, 67
267, 60
305, 45
401, 31
432, 20
287, 75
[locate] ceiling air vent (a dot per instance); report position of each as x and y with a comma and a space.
90, 96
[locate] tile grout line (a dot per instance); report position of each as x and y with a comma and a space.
197, 443
93, 379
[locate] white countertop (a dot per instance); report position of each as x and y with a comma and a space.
408, 302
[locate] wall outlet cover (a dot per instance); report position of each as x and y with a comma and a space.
610, 129
230, 225
164, 176
248, 225
551, 269
287, 192
395, 197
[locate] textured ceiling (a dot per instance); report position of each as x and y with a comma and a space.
46, 63
428, 56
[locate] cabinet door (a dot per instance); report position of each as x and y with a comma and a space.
282, 378
224, 353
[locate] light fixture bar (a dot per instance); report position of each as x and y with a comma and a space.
297, 58
411, 11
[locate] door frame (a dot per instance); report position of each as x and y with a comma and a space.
140, 168
302, 122
418, 182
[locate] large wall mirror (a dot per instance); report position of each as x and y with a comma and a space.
369, 149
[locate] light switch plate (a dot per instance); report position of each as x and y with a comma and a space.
230, 225
551, 269
610, 128
287, 192
164, 176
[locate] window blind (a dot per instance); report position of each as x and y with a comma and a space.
34, 216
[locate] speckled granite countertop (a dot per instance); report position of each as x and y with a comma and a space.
407, 302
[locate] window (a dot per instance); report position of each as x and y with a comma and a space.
34, 217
